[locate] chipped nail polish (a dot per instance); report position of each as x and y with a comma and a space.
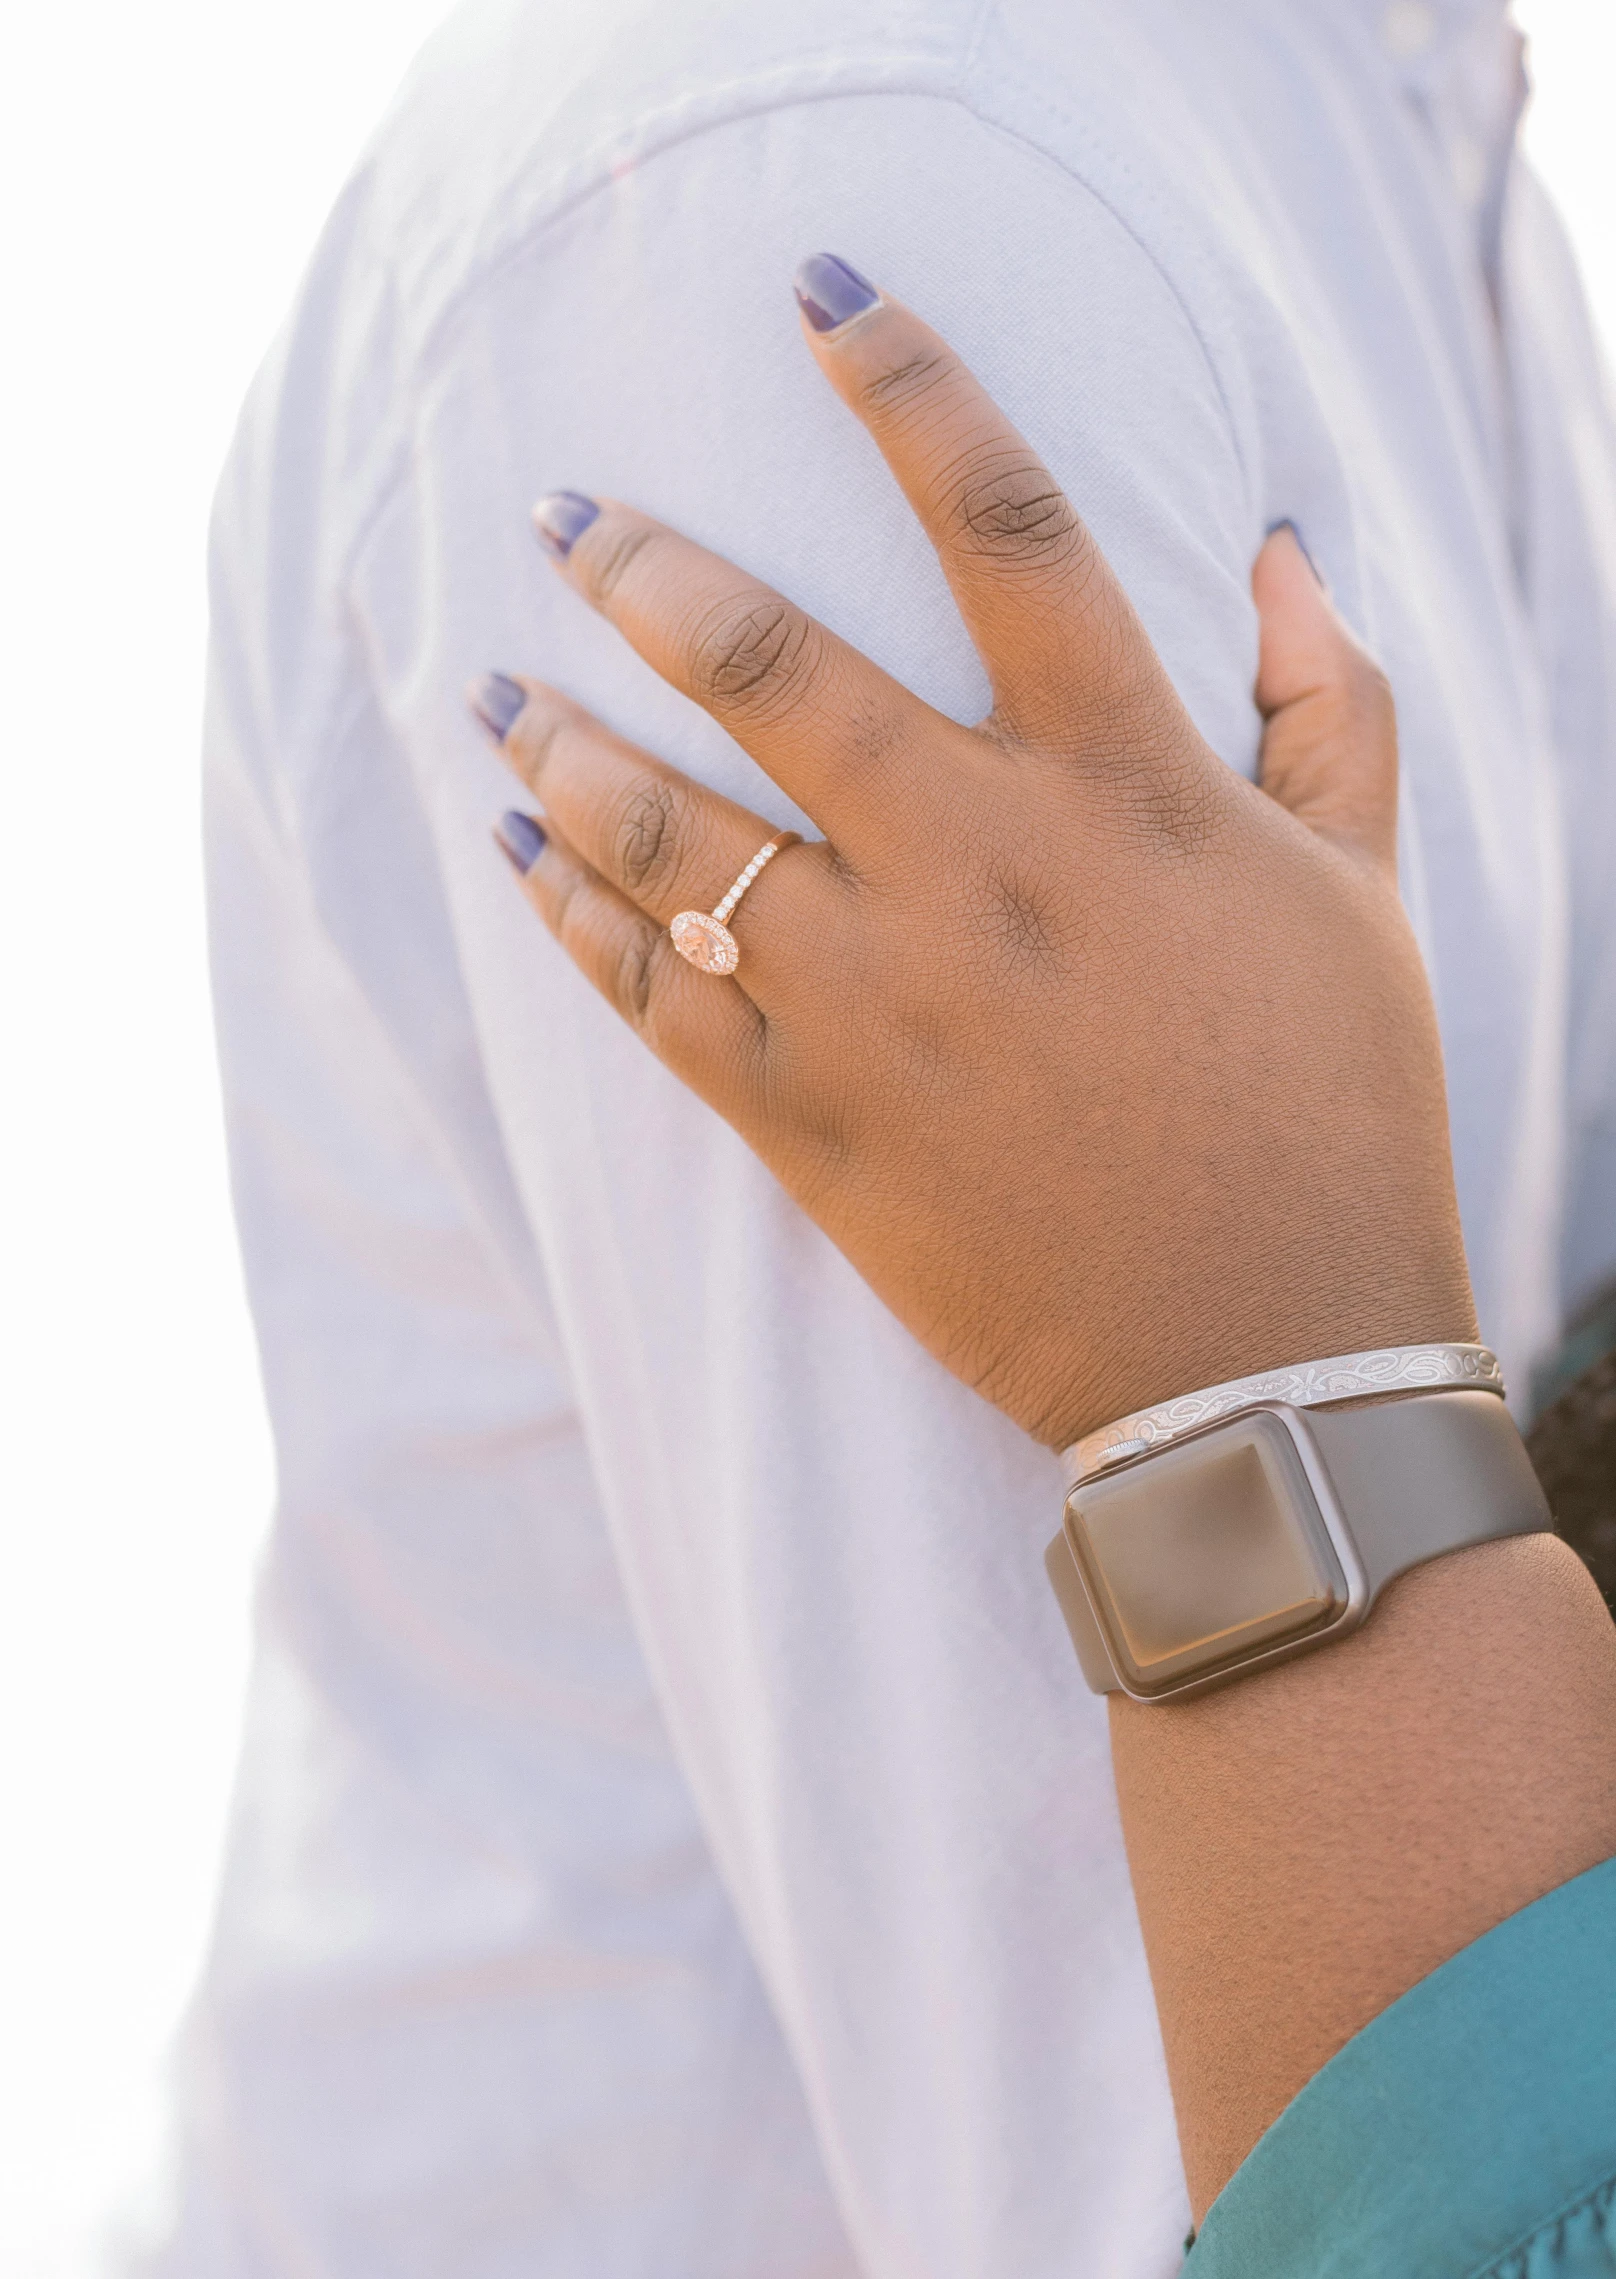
521, 840
497, 701
830, 291
561, 520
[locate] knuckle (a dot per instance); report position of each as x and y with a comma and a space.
534, 742
1013, 511
563, 893
839, 872
633, 983
902, 387
1022, 921
868, 732
1170, 793
649, 830
1175, 807
610, 556
754, 659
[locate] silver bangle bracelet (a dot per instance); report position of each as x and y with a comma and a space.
1306, 1385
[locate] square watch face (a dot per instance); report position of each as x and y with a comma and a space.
1206, 1553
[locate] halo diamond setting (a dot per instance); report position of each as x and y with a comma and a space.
706, 943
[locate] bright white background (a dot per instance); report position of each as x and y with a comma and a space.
163, 170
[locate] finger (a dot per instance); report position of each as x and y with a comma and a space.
1054, 629
706, 1030
826, 724
1329, 750
666, 843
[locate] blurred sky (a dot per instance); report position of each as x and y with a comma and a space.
164, 169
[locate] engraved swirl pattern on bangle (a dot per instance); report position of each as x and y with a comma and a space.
1304, 1385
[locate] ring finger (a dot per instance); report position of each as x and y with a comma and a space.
667, 843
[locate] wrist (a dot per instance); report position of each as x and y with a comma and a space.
1271, 1827
1259, 1320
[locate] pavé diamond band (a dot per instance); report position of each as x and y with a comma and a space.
1307, 1385
703, 939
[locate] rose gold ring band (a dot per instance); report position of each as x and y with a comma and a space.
703, 939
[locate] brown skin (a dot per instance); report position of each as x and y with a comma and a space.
1308, 1844
1070, 936
1114, 1075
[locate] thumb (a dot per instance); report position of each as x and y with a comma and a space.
1329, 749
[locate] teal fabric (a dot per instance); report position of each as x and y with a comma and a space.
1468, 2133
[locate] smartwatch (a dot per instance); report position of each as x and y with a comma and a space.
1259, 1520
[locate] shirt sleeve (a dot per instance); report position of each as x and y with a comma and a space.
1469, 2132
475, 2000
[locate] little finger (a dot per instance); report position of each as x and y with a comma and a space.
711, 1035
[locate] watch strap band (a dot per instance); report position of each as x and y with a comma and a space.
1430, 1474
1060, 1564
1414, 1477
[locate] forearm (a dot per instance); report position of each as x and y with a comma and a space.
1307, 1844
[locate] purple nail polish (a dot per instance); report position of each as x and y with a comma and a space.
561, 520
497, 700
521, 840
830, 291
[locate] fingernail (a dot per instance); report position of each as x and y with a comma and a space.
497, 700
521, 840
1286, 524
830, 291
561, 520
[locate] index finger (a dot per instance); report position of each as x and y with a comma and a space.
838, 735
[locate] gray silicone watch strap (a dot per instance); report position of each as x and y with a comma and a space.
1067, 1585
1414, 1477
1422, 1476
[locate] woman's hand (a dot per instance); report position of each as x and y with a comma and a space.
1111, 1073
1114, 1076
